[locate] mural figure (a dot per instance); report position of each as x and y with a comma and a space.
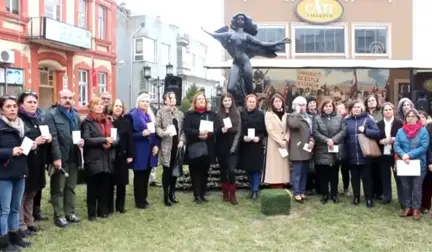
242, 46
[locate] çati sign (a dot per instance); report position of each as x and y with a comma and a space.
319, 11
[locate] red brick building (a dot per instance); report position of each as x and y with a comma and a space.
49, 45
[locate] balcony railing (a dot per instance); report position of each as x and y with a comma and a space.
46, 30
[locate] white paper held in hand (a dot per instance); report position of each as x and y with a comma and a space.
172, 130
283, 152
151, 127
114, 133
306, 147
335, 149
44, 130
227, 123
206, 126
251, 133
26, 145
76, 136
412, 169
387, 149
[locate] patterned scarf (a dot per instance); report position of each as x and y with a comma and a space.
18, 124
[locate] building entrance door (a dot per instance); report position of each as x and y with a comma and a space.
47, 87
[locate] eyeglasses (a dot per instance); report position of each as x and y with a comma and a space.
67, 97
30, 92
9, 97
105, 98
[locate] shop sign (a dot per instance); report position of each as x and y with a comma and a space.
319, 11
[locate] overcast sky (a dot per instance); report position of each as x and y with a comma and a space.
188, 15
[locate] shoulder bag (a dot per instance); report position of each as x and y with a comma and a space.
198, 149
369, 147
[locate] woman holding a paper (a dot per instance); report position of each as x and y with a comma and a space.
389, 126
169, 127
411, 145
251, 144
276, 170
329, 131
146, 148
359, 122
300, 146
99, 155
125, 153
37, 158
227, 140
13, 170
199, 127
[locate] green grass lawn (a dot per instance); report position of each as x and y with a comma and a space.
218, 226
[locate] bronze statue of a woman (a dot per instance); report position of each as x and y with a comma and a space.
242, 46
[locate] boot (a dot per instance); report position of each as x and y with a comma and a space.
356, 201
7, 246
16, 238
172, 190
232, 194
408, 212
324, 199
416, 215
167, 200
225, 192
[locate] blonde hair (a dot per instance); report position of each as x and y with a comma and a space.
195, 98
145, 96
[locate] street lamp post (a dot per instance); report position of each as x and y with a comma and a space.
157, 83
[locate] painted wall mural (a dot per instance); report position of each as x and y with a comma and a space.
341, 85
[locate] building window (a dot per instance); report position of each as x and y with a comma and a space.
102, 20
371, 40
12, 6
102, 82
153, 94
83, 87
164, 54
145, 49
53, 9
272, 33
11, 81
319, 40
82, 14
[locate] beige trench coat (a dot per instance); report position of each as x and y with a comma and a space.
277, 169
164, 118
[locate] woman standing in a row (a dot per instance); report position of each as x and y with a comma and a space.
125, 153
329, 131
99, 155
251, 144
36, 159
276, 171
169, 127
227, 140
200, 126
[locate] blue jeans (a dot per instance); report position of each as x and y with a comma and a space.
11, 194
412, 190
254, 180
299, 176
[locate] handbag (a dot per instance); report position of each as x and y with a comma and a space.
198, 149
369, 147
178, 165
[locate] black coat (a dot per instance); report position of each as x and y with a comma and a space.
191, 124
37, 159
96, 158
125, 149
252, 154
11, 167
397, 124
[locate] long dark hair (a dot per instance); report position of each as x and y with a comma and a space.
233, 114
249, 26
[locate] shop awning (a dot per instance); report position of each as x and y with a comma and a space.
329, 63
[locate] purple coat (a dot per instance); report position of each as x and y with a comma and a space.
143, 145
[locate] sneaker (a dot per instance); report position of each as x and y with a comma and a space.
73, 219
61, 222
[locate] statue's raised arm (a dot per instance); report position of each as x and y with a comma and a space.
242, 45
